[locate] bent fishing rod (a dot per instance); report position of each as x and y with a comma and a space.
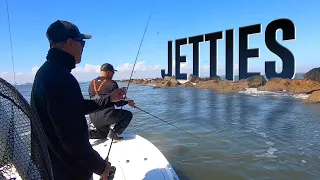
125, 95
138, 107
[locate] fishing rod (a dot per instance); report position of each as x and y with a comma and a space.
9, 26
165, 122
125, 95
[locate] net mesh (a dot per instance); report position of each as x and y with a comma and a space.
23, 152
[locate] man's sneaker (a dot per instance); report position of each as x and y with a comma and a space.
95, 134
116, 138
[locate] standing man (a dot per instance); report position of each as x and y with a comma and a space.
57, 100
99, 88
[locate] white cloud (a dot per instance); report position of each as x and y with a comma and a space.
183, 65
91, 68
90, 71
204, 70
77, 69
141, 70
20, 77
34, 70
88, 68
206, 67
186, 67
4, 73
125, 67
140, 66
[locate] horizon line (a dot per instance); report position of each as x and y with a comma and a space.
161, 78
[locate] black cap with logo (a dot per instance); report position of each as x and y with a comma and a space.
62, 30
107, 67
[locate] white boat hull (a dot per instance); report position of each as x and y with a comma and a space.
135, 158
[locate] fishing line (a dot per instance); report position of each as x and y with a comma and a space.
125, 95
166, 122
137, 56
8, 19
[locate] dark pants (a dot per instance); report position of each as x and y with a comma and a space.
121, 119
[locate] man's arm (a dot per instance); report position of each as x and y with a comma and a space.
91, 106
65, 106
122, 102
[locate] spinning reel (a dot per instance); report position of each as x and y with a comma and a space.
112, 172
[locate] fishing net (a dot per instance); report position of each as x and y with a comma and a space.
23, 152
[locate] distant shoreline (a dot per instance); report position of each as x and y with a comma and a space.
297, 76
303, 83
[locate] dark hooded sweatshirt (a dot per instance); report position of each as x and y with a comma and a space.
57, 100
105, 89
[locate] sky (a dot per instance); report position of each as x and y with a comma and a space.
117, 28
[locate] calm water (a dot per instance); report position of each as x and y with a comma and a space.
249, 135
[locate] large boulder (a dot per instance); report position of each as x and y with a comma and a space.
169, 78
302, 86
153, 81
146, 82
313, 98
214, 78
125, 80
195, 79
188, 84
275, 85
256, 81
168, 81
313, 74
136, 81
223, 86
230, 87
295, 86
206, 84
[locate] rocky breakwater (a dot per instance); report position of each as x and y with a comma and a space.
143, 81
225, 86
212, 83
310, 84
158, 82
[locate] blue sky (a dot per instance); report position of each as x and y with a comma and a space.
117, 28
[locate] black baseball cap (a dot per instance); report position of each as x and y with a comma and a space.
107, 67
60, 31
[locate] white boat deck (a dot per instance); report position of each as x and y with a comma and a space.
135, 158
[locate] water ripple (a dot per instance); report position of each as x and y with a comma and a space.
265, 136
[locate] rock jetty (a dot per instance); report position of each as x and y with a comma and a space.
310, 84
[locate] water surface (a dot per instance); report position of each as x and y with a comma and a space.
250, 135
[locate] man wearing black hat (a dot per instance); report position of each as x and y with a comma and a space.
100, 87
57, 100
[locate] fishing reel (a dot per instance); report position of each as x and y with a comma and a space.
112, 173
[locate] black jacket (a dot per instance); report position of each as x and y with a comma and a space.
57, 100
98, 118
104, 90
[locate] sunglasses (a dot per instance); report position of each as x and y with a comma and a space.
81, 41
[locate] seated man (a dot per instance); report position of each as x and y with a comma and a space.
102, 86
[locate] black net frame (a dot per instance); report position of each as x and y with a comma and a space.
23, 150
